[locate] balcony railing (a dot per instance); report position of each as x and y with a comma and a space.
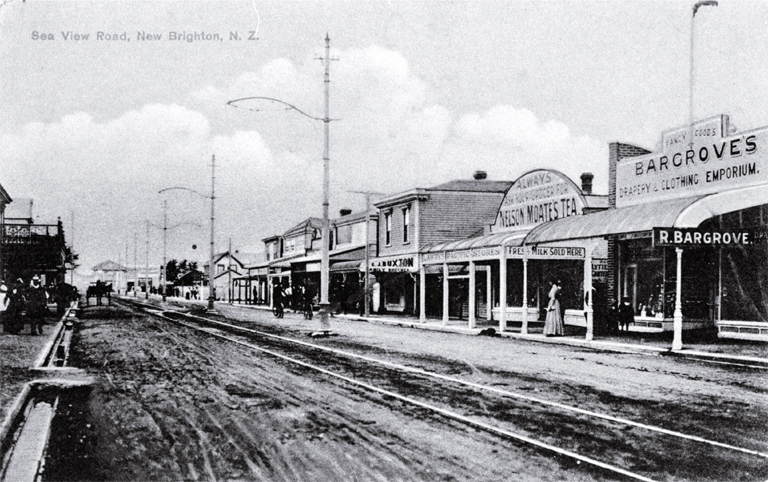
30, 233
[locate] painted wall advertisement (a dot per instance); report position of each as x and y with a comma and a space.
712, 165
538, 197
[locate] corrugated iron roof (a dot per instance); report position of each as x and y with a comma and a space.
629, 219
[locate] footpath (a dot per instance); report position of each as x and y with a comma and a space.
26, 362
32, 371
21, 354
696, 345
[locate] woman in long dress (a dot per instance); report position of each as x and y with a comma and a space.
553, 325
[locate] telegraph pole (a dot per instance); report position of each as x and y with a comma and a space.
325, 325
367, 302
211, 297
135, 263
72, 251
229, 271
702, 3
146, 274
165, 248
324, 261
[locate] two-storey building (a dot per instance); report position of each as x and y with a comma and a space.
29, 248
410, 220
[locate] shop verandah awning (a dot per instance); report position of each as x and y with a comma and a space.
509, 238
687, 212
350, 253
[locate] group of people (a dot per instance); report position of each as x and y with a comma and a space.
618, 317
20, 303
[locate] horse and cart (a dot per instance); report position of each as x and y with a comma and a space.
99, 290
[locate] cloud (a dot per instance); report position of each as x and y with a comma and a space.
513, 141
389, 134
108, 173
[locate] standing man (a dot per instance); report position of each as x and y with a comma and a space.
15, 297
4, 300
37, 305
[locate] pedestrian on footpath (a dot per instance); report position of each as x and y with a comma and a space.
4, 300
37, 305
13, 321
626, 314
553, 325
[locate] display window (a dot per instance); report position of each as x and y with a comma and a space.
743, 269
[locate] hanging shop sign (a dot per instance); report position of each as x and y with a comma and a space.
706, 130
546, 252
681, 237
711, 165
394, 263
474, 254
538, 197
599, 270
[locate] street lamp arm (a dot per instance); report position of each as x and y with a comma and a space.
703, 3
290, 106
184, 189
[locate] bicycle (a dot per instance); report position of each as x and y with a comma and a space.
278, 310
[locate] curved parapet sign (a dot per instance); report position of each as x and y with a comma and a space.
538, 197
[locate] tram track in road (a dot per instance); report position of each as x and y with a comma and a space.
592, 437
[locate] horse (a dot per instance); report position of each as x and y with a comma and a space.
99, 290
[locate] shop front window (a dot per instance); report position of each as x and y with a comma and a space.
649, 280
743, 290
642, 278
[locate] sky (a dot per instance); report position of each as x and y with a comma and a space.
421, 93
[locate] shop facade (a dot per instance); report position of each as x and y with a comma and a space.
498, 276
686, 231
411, 220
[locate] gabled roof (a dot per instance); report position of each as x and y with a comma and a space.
305, 226
5, 198
20, 209
109, 266
219, 256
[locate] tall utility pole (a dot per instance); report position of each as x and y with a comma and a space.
325, 325
165, 248
212, 197
146, 274
72, 250
324, 262
211, 296
126, 269
135, 263
229, 271
702, 3
367, 288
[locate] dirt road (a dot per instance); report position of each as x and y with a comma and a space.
175, 405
